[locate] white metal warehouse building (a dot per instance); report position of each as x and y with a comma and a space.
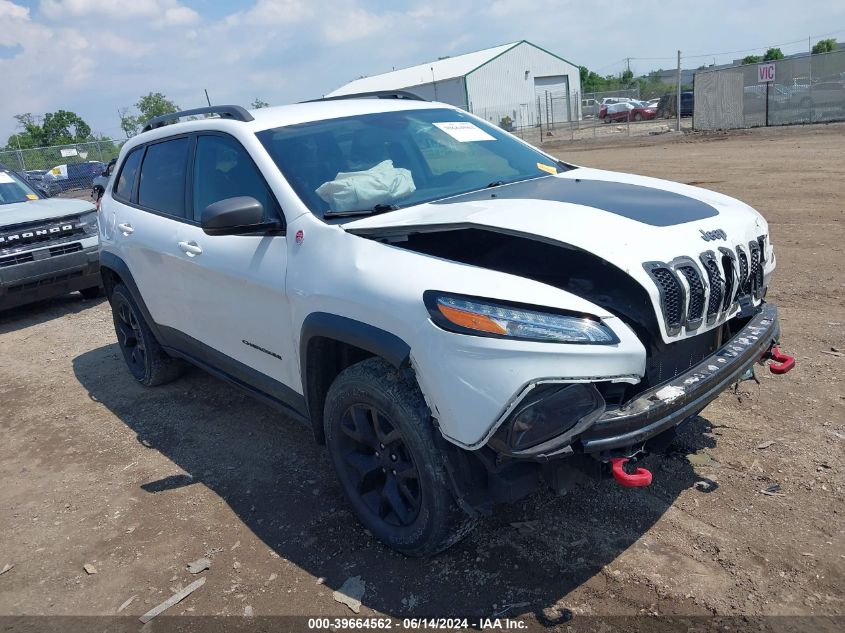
519, 80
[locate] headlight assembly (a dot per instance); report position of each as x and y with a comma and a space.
88, 222
482, 317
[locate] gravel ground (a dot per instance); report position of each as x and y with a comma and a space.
99, 471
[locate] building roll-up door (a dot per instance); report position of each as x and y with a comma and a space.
552, 96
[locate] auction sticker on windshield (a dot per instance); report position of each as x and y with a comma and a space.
6, 178
464, 132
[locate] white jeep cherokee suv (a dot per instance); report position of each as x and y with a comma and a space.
457, 315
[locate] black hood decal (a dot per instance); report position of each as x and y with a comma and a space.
643, 204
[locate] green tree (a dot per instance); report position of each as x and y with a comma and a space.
772, 55
751, 59
258, 103
824, 46
627, 76
56, 128
150, 105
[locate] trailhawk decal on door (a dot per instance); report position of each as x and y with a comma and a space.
648, 205
261, 349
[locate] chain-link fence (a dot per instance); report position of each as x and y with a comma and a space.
62, 168
806, 89
555, 116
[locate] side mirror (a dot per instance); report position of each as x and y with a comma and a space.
106, 172
241, 215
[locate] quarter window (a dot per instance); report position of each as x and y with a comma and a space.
128, 174
162, 185
223, 169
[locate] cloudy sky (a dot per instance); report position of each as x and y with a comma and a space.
95, 56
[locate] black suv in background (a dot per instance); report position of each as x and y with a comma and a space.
666, 107
73, 176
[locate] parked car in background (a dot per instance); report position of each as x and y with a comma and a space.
828, 95
666, 107
71, 176
35, 176
643, 111
615, 112
590, 108
48, 247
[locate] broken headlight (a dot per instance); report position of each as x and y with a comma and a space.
88, 222
549, 412
481, 317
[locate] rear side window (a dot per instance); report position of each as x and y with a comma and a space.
128, 173
223, 169
162, 185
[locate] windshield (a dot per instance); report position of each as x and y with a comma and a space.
379, 162
14, 189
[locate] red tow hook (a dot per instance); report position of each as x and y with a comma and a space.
781, 363
640, 478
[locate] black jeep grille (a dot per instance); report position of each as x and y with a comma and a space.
743, 271
728, 267
672, 296
755, 279
696, 289
721, 284
716, 285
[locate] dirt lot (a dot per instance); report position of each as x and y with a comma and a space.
98, 470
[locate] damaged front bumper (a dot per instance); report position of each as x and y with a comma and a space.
623, 431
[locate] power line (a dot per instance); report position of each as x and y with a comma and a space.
758, 48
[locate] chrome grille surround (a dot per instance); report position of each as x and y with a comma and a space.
708, 290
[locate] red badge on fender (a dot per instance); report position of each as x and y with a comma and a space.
300, 236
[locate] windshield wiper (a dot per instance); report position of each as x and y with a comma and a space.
379, 208
495, 183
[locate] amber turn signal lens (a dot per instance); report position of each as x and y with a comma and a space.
470, 320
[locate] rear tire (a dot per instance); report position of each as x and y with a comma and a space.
380, 439
148, 363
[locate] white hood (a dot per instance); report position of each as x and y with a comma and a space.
655, 220
42, 209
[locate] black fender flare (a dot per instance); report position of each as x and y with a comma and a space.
345, 330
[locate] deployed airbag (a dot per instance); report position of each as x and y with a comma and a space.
361, 190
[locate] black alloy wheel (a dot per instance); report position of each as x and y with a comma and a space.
130, 338
380, 466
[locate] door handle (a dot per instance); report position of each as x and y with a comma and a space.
191, 248
126, 228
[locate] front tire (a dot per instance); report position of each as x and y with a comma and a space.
380, 439
148, 363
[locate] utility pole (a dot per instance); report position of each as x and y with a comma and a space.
678, 103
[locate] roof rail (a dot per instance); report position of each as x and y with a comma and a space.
378, 94
224, 111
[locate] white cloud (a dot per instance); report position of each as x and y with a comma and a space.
354, 24
273, 13
160, 12
94, 56
13, 12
